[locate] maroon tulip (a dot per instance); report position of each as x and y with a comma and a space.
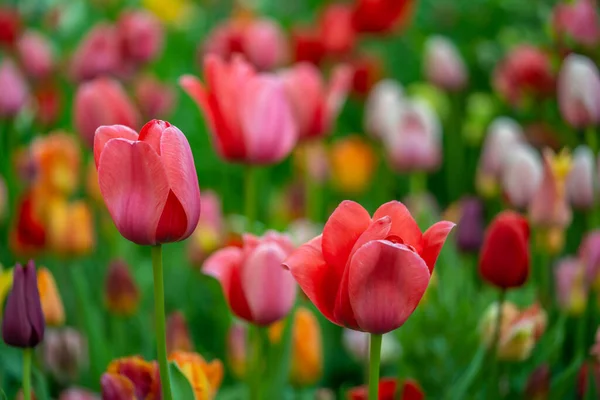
141, 36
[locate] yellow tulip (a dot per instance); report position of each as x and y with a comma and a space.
52, 305
70, 228
353, 163
6, 278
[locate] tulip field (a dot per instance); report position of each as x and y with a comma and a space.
298, 200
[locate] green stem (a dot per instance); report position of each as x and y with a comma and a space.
591, 139
311, 197
454, 157
27, 355
159, 314
495, 343
374, 359
250, 196
254, 372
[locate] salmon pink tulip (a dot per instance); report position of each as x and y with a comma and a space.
368, 274
255, 285
148, 181
248, 114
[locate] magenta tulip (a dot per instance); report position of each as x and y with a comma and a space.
148, 181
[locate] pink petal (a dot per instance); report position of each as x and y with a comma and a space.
338, 90
196, 90
105, 133
134, 186
386, 283
403, 224
179, 165
343, 228
433, 240
269, 288
317, 280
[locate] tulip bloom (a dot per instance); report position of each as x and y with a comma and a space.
10, 25
367, 71
141, 36
521, 175
470, 227
581, 182
23, 322
98, 53
579, 91
504, 257
315, 105
204, 377
121, 292
15, 92
307, 46
336, 30
353, 163
368, 274
577, 21
148, 181
155, 99
248, 114
178, 335
64, 353
131, 378
52, 306
255, 285
35, 52
100, 102
388, 388
589, 254
70, 229
444, 66
29, 233
571, 286
381, 16
384, 103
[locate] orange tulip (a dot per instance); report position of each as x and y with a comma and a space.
52, 306
353, 163
204, 377
70, 228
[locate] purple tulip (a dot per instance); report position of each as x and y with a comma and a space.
470, 228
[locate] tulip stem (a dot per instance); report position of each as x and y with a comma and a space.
250, 197
374, 359
159, 314
27, 373
591, 139
311, 197
494, 347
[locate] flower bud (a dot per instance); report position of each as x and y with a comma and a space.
64, 353
521, 175
121, 292
444, 66
35, 52
579, 91
14, 89
97, 54
470, 227
581, 181
155, 99
336, 30
52, 306
589, 254
131, 378
577, 21
10, 25
23, 322
264, 44
383, 106
178, 334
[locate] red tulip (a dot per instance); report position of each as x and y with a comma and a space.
315, 105
36, 55
248, 114
48, 99
99, 53
387, 390
336, 30
380, 16
141, 36
255, 285
307, 45
504, 259
148, 181
368, 274
102, 101
367, 71
10, 25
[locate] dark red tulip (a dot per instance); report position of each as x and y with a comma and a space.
381, 16
307, 45
367, 71
387, 390
10, 25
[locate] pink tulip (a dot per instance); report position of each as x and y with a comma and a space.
577, 21
315, 105
141, 36
98, 53
102, 101
264, 44
383, 107
14, 89
248, 114
579, 91
148, 181
444, 66
580, 181
256, 286
521, 175
35, 52
415, 143
155, 99
589, 254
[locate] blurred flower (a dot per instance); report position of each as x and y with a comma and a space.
336, 29
307, 46
64, 353
15, 92
381, 16
414, 143
6, 281
98, 53
121, 293
538, 383
353, 163
10, 25
589, 370
589, 254
356, 344
577, 21
444, 66
324, 394
504, 258
205, 377
351, 239
503, 136
480, 110
382, 107
210, 231
52, 306
579, 91
470, 227
28, 234
148, 181
102, 101
48, 99
178, 334
581, 181
367, 71
35, 53
302, 230
522, 174
237, 349
595, 350
248, 114
141, 36
91, 184
388, 390
70, 227
519, 330
315, 105
57, 157
155, 99
77, 394
174, 12
571, 287
257, 289
525, 73
311, 158
131, 378
23, 322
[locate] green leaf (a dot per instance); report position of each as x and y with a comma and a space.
567, 379
3, 395
180, 386
470, 374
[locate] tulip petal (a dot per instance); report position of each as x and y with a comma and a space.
317, 280
135, 188
385, 284
108, 132
16, 329
173, 222
151, 133
343, 228
269, 288
33, 305
403, 224
116, 387
196, 90
433, 241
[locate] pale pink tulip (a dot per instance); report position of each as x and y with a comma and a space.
580, 181
15, 92
579, 91
35, 52
383, 107
521, 175
444, 66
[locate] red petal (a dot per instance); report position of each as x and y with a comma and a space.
403, 224
433, 240
173, 222
151, 133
